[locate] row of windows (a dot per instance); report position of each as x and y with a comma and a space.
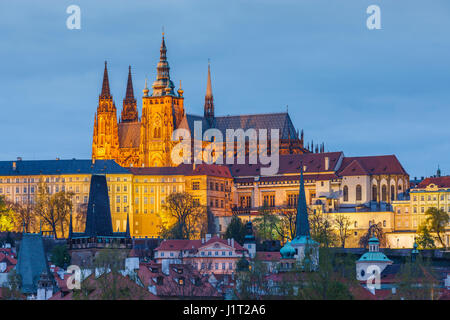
423, 209
32, 189
217, 266
431, 198
216, 253
215, 203
384, 193
47, 180
153, 180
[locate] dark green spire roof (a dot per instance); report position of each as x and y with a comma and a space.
302, 223
31, 262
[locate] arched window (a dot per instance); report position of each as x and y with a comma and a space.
384, 193
345, 193
358, 193
392, 193
374, 193
157, 132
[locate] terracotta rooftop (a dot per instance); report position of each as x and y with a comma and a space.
440, 182
372, 165
290, 163
173, 244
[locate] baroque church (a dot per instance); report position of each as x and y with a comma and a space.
146, 141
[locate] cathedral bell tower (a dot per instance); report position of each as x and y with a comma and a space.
162, 112
105, 144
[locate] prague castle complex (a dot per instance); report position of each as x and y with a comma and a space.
134, 152
147, 141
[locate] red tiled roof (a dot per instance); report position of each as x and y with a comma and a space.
136, 292
289, 179
173, 244
194, 284
9, 260
372, 165
290, 163
440, 182
268, 256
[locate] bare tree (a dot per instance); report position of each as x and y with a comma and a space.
190, 217
53, 210
286, 227
375, 230
342, 224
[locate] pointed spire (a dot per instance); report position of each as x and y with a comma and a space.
163, 73
130, 93
127, 232
208, 83
302, 222
70, 226
145, 91
209, 100
129, 110
105, 86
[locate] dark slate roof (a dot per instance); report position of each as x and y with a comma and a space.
55, 167
281, 121
31, 262
214, 170
98, 216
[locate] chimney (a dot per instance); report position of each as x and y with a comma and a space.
14, 166
203, 240
208, 237
229, 242
304, 168
232, 242
327, 163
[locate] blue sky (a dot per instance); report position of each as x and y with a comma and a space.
364, 92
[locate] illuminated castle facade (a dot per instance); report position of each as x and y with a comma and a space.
147, 141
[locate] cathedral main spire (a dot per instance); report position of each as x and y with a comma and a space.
129, 110
163, 74
209, 100
106, 93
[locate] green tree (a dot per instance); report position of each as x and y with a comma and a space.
437, 221
12, 290
330, 281
252, 282
266, 225
322, 229
424, 238
236, 230
417, 281
6, 216
60, 256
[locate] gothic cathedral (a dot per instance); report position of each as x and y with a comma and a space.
147, 142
